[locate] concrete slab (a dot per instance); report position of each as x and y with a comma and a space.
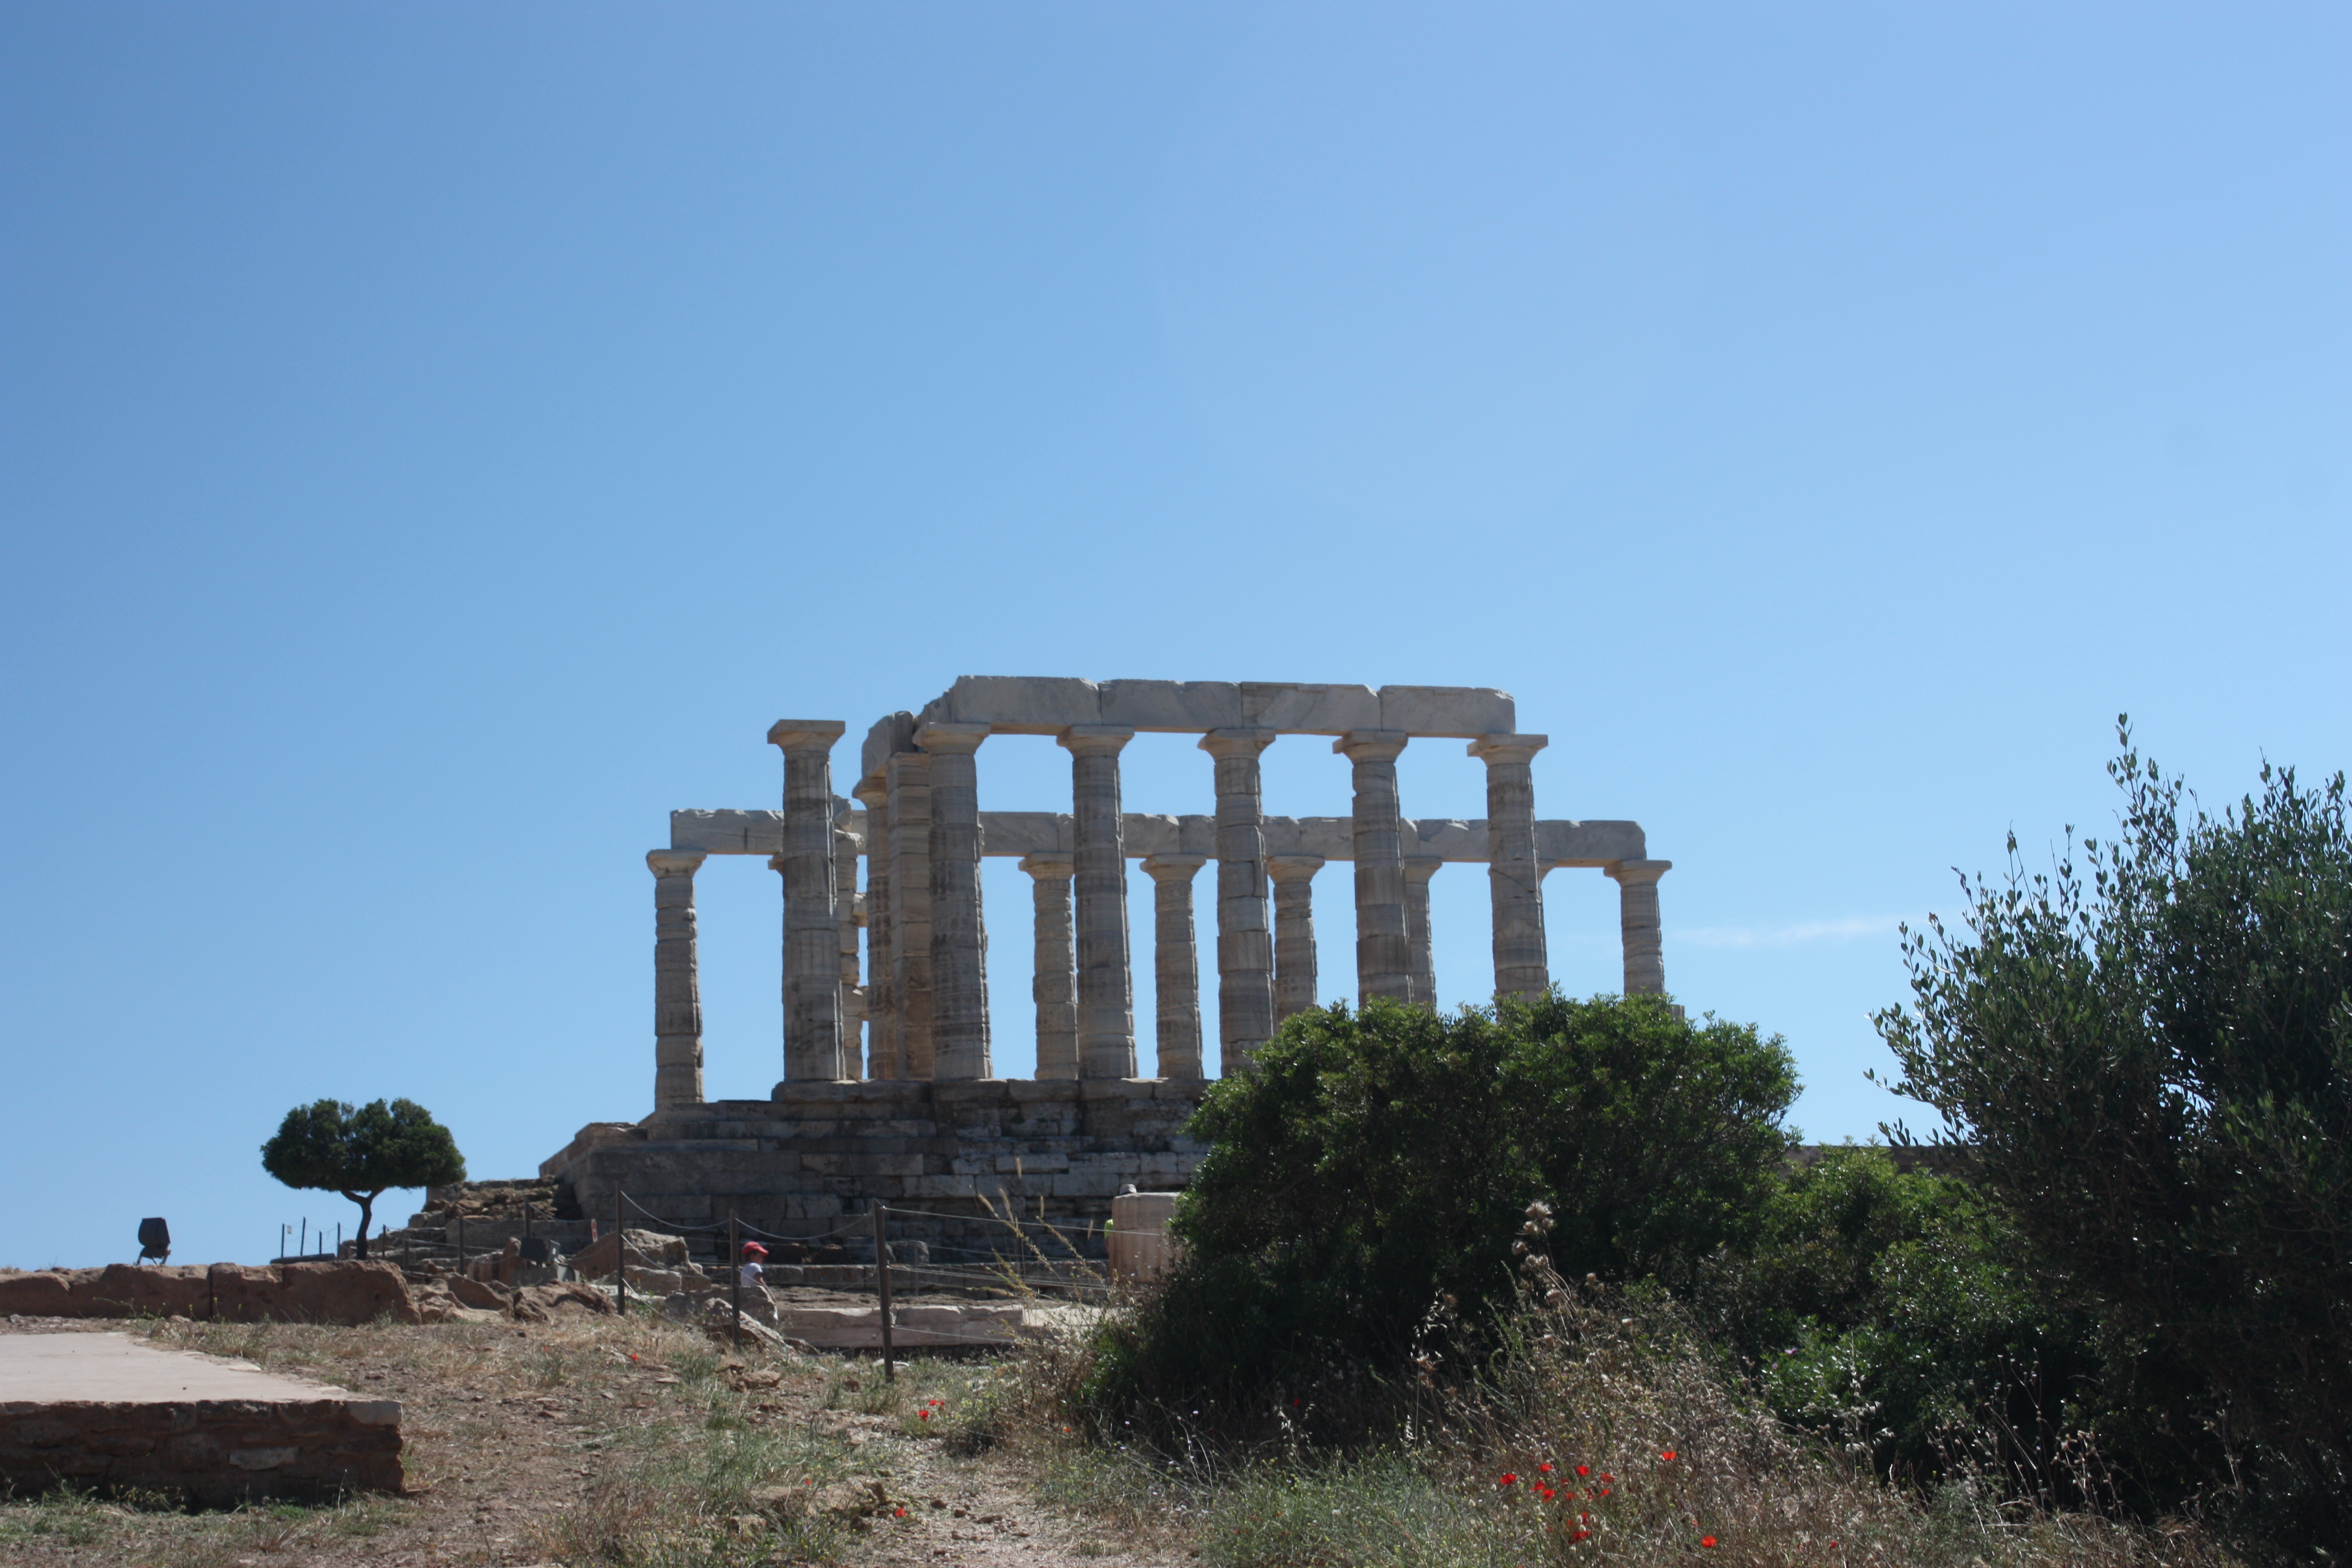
103, 1410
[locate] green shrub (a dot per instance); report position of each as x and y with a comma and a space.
1369, 1175
1882, 1310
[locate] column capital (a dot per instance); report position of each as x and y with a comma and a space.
1238, 743
1096, 740
1633, 873
1370, 745
1060, 866
1421, 867
806, 734
1494, 749
675, 862
1173, 867
941, 738
1293, 867
870, 793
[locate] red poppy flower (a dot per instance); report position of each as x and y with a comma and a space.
1668, 1456
1580, 1535
1707, 1541
1546, 1491
925, 1414
1602, 1492
1584, 1470
1508, 1477
901, 1514
1544, 1469
1607, 1477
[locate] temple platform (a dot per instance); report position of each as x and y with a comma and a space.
951, 1159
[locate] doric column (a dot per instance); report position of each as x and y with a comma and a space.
678, 994
811, 936
1245, 962
1514, 880
958, 932
1418, 870
1637, 922
1106, 989
1054, 985
909, 776
1176, 970
1294, 933
881, 1010
845, 848
1383, 959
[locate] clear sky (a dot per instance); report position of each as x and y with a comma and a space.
437, 440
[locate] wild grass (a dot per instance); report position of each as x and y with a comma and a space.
1606, 1432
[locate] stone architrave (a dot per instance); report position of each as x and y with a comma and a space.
1293, 931
1246, 957
1055, 983
847, 848
1514, 877
1105, 988
881, 1014
812, 1032
1176, 967
958, 928
677, 991
908, 775
1383, 955
1637, 924
1418, 870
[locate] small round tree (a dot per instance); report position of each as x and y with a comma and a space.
362, 1154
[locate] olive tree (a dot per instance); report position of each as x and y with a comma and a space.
2149, 1057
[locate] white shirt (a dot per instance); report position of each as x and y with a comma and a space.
751, 1273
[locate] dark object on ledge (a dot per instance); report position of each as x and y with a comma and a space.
154, 1240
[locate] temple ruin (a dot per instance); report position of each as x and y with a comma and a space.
889, 1088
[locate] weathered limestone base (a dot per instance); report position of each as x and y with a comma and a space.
812, 1158
98, 1411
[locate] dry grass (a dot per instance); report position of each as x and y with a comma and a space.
1607, 1436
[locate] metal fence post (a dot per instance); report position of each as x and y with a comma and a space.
620, 1251
882, 1290
735, 1279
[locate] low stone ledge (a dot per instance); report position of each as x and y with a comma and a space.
349, 1292
102, 1412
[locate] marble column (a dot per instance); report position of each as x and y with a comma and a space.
1105, 989
1637, 922
908, 775
1418, 870
1054, 984
811, 937
881, 1012
1383, 957
1245, 958
1514, 880
677, 991
847, 847
1176, 968
959, 930
1294, 933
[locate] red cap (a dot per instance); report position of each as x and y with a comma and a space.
752, 1246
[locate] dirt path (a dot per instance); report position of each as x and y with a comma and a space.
594, 1439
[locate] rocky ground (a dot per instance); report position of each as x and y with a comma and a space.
594, 1439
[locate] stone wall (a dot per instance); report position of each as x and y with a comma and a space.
213, 1451
349, 1292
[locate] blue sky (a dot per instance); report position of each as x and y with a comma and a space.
435, 441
